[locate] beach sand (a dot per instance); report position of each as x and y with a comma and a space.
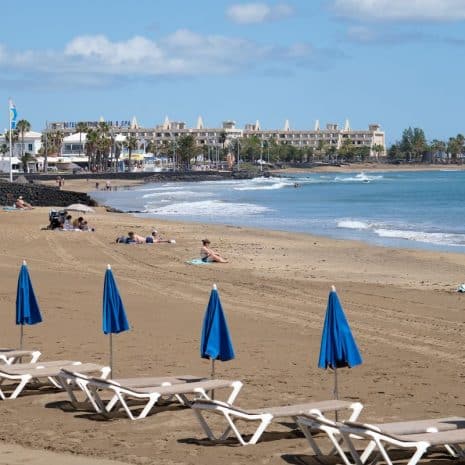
402, 306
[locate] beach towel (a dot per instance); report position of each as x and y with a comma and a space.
12, 209
197, 261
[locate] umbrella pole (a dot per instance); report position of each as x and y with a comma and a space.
213, 376
21, 338
111, 355
336, 393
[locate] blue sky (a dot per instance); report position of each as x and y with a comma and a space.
395, 62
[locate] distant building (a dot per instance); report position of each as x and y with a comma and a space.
169, 131
32, 143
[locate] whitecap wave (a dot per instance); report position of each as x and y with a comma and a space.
208, 208
179, 193
437, 238
276, 185
360, 177
353, 224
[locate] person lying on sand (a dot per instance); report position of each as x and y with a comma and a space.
209, 255
135, 238
22, 204
156, 238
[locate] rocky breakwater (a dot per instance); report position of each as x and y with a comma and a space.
41, 196
195, 176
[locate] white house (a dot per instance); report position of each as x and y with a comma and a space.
32, 143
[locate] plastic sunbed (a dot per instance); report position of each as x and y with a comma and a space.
10, 356
418, 435
70, 379
151, 395
23, 374
232, 414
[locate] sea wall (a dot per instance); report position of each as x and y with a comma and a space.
164, 176
40, 196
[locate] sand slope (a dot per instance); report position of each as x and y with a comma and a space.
401, 305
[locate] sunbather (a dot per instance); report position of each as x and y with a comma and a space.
22, 204
209, 255
135, 238
156, 238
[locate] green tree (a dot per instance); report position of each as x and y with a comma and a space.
395, 153
321, 148
25, 160
413, 144
3, 149
81, 128
91, 148
22, 127
131, 144
222, 138
362, 152
347, 149
437, 148
186, 149
378, 149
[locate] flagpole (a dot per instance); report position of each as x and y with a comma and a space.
11, 149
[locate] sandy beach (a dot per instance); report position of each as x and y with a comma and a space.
402, 306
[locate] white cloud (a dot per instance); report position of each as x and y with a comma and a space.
402, 10
252, 13
96, 60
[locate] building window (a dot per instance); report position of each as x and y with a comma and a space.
29, 147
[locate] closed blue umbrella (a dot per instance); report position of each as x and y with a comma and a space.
216, 341
338, 347
27, 308
114, 319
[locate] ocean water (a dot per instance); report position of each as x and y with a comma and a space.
396, 209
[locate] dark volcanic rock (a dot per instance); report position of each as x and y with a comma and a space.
41, 196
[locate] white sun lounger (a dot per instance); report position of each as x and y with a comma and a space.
23, 374
151, 395
264, 416
12, 356
418, 435
72, 378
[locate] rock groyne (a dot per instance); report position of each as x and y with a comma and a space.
40, 196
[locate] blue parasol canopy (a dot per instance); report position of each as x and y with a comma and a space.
338, 347
114, 315
216, 341
27, 308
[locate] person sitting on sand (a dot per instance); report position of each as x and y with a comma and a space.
209, 255
77, 223
156, 238
22, 204
135, 238
68, 224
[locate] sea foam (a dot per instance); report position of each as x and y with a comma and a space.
208, 208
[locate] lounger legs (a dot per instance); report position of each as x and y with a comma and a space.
264, 419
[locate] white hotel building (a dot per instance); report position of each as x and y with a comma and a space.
330, 135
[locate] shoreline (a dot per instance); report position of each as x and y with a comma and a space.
370, 167
401, 305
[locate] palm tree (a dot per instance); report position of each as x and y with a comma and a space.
80, 128
378, 149
25, 159
23, 126
222, 138
91, 147
151, 147
131, 144
3, 149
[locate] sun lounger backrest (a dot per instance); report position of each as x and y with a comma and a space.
364, 430
212, 404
